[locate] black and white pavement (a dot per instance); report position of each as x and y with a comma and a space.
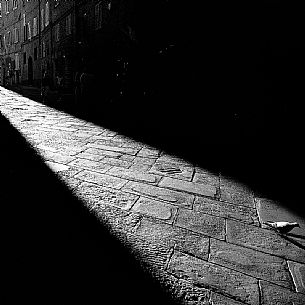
91, 216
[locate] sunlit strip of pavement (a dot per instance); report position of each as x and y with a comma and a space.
199, 233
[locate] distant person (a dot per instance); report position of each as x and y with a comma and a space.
87, 81
77, 88
45, 86
59, 85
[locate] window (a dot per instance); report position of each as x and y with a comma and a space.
4, 41
98, 15
17, 64
0, 9
7, 8
68, 25
25, 29
57, 32
24, 58
43, 49
15, 4
29, 30
9, 37
35, 27
42, 19
47, 14
16, 35
35, 53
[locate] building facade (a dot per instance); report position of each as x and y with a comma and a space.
57, 36
69, 37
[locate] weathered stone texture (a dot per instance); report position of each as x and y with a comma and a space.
91, 165
189, 187
102, 152
173, 197
226, 210
219, 299
56, 157
263, 240
88, 156
97, 195
156, 209
298, 274
101, 179
241, 287
179, 238
124, 150
148, 153
116, 162
202, 177
251, 262
275, 295
201, 223
174, 170
236, 196
134, 175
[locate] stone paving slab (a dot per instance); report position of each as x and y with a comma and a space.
263, 240
201, 223
56, 157
203, 274
230, 194
156, 209
101, 152
275, 295
88, 156
101, 179
124, 150
57, 167
219, 299
298, 274
69, 172
189, 187
134, 175
185, 291
97, 195
177, 198
226, 210
206, 178
183, 240
250, 262
270, 210
197, 231
90, 165
148, 153
152, 256
174, 170
117, 162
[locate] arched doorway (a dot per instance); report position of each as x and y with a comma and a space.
30, 70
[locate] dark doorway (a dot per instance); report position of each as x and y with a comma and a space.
30, 70
3, 76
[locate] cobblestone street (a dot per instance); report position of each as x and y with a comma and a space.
199, 234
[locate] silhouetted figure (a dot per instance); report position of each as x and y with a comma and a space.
45, 86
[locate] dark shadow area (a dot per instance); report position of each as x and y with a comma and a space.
53, 250
293, 241
221, 87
